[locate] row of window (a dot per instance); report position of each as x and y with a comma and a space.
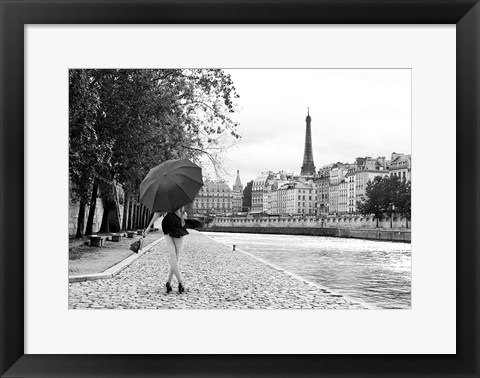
399, 174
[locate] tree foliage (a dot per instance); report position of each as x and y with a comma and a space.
86, 152
386, 196
123, 122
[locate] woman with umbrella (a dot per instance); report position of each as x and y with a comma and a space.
167, 188
173, 226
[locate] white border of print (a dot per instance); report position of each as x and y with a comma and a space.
429, 327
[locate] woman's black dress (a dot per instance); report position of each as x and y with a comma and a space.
172, 225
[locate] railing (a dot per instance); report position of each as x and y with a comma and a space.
339, 221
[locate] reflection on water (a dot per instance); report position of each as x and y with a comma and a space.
374, 272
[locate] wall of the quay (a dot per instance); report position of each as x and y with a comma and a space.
378, 234
346, 227
74, 209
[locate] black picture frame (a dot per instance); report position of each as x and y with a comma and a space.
15, 14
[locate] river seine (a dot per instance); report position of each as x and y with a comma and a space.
374, 272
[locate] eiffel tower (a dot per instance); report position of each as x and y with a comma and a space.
308, 167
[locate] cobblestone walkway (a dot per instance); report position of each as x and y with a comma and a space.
215, 278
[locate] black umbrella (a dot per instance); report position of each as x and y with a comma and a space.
171, 185
193, 223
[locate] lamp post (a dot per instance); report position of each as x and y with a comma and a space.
391, 215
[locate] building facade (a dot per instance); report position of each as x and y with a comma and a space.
351, 193
367, 170
237, 194
258, 189
213, 198
323, 188
334, 189
400, 166
337, 174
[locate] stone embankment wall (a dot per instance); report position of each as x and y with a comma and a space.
73, 210
343, 226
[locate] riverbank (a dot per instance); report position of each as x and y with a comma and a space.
401, 235
216, 277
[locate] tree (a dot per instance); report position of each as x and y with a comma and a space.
247, 196
391, 196
405, 200
386, 196
86, 155
141, 118
374, 203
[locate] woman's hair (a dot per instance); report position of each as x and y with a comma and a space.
181, 211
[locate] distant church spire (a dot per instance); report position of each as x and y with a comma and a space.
308, 167
238, 183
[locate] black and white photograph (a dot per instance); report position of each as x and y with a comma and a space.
233, 182
238, 189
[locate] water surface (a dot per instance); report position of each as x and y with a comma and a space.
374, 272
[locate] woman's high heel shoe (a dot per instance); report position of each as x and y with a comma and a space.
169, 287
181, 289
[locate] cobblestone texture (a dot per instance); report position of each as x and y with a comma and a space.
215, 277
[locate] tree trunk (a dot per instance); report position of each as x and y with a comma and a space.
130, 217
140, 215
377, 222
144, 216
116, 224
137, 211
91, 211
132, 221
105, 227
81, 219
129, 211
126, 207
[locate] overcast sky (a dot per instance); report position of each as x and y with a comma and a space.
355, 113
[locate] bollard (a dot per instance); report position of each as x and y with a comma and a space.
234, 247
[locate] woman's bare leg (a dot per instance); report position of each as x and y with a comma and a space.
179, 243
172, 258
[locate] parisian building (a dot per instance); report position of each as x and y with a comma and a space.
237, 194
337, 174
351, 193
270, 200
323, 188
367, 170
213, 198
293, 198
334, 189
343, 195
258, 189
400, 166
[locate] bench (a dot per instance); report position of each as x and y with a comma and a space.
117, 237
97, 241
131, 233
139, 232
